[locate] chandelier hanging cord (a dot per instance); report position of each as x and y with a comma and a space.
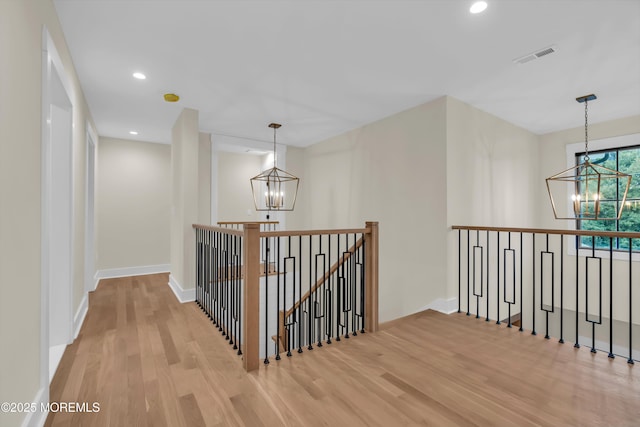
586, 130
275, 127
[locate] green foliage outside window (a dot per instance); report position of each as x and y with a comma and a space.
626, 160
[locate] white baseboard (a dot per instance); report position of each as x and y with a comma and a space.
183, 295
95, 282
37, 418
442, 305
111, 273
78, 319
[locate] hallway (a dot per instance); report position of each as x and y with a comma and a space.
151, 361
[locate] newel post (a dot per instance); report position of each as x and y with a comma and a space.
371, 277
251, 274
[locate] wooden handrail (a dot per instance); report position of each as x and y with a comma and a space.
246, 222
326, 276
231, 231
623, 235
314, 232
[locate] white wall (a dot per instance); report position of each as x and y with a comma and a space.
21, 25
235, 201
204, 178
492, 177
418, 173
133, 203
492, 169
392, 171
185, 178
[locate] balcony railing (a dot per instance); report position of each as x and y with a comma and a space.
279, 292
542, 281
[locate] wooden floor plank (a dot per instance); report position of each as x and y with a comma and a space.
150, 361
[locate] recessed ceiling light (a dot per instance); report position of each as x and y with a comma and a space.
478, 7
133, 132
139, 76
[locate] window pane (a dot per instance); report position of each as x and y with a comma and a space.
601, 242
630, 163
630, 220
626, 160
624, 244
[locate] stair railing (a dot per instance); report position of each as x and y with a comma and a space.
576, 285
271, 292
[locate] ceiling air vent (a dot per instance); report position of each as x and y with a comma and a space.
535, 55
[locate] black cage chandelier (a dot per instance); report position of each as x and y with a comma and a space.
274, 189
587, 181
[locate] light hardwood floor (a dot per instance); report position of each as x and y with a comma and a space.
151, 361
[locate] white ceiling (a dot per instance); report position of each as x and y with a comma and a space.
324, 67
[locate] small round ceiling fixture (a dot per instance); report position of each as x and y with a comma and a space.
171, 97
138, 75
133, 132
478, 7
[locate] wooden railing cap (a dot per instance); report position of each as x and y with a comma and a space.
618, 234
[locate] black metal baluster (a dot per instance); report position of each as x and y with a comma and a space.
299, 309
205, 292
227, 297
212, 289
231, 288
236, 286
223, 283
266, 303
288, 323
310, 306
318, 291
200, 282
561, 341
199, 239
239, 339
577, 344
553, 287
513, 279
599, 322
521, 284
474, 273
329, 297
611, 355
347, 285
216, 305
630, 360
497, 278
459, 268
363, 274
212, 280
277, 267
220, 283
217, 294
340, 285
354, 326
468, 271
533, 284
488, 282
197, 266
